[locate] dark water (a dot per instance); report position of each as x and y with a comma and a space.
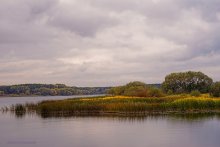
32, 130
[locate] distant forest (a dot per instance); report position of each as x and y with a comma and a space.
53, 90
49, 90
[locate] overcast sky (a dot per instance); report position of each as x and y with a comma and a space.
107, 42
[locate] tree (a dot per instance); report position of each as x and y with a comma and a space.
215, 90
185, 82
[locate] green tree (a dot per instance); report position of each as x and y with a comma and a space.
215, 90
185, 82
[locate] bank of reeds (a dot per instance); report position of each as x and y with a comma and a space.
121, 104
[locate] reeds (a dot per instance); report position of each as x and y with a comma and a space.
121, 104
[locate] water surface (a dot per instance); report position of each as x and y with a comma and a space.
8, 101
102, 131
32, 130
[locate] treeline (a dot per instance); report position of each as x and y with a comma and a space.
49, 90
194, 83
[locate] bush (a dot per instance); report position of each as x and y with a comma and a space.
155, 92
131, 89
170, 92
137, 89
215, 90
195, 93
119, 90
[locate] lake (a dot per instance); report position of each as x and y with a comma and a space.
8, 101
33, 130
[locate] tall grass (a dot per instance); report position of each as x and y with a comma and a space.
122, 104
195, 104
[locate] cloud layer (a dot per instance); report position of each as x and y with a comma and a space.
107, 42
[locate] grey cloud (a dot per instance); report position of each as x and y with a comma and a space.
19, 21
41, 6
80, 18
107, 42
208, 9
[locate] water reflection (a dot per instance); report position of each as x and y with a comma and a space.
20, 114
193, 130
197, 117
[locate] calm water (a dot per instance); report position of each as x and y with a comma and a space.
8, 101
101, 131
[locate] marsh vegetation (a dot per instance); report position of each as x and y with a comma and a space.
125, 105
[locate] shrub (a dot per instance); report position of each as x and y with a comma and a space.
195, 93
155, 92
215, 90
170, 92
131, 89
137, 89
119, 90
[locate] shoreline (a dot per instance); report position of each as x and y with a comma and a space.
7, 96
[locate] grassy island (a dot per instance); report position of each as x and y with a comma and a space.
127, 105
